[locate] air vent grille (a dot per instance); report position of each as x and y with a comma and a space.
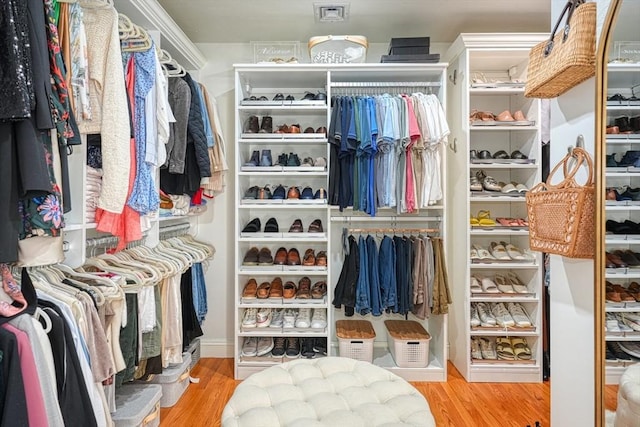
331, 12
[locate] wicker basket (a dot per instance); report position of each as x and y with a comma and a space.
561, 217
569, 58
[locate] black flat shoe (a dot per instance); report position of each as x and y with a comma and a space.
500, 155
271, 226
253, 226
278, 97
518, 155
484, 155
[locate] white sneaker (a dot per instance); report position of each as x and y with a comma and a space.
304, 318
475, 318
277, 317
517, 311
250, 346
263, 318
265, 345
502, 315
289, 318
249, 319
319, 318
486, 318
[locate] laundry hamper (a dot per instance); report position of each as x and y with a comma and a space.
355, 339
408, 343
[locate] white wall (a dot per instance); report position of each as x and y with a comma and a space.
572, 281
217, 225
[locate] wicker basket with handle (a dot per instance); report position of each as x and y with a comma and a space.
561, 216
568, 57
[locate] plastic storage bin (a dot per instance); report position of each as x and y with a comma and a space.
355, 339
174, 381
338, 49
408, 343
194, 350
137, 405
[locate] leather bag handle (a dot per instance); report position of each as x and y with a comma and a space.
569, 8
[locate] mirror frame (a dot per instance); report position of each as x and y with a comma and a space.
602, 63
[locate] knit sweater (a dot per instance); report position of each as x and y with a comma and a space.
110, 113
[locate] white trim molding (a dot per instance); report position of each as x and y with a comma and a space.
216, 348
152, 16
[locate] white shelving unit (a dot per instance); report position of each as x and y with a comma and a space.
296, 79
479, 63
621, 79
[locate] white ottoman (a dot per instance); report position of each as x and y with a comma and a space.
628, 411
330, 392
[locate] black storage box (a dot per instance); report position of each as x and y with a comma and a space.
409, 46
430, 58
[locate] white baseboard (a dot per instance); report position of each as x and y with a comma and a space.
216, 348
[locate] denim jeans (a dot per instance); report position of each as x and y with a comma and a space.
401, 276
387, 275
363, 298
374, 276
199, 292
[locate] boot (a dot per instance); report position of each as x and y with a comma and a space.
255, 159
267, 125
252, 125
266, 159
623, 124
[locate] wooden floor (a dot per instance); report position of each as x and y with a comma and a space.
455, 403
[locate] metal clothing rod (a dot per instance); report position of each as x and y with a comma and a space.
108, 241
385, 84
175, 228
391, 220
393, 230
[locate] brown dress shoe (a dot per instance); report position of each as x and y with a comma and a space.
293, 193
250, 289
276, 289
281, 257
263, 290
293, 257
321, 259
316, 226
294, 129
304, 288
309, 258
289, 290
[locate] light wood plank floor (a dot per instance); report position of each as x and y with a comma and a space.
455, 403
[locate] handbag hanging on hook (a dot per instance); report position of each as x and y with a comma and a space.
569, 56
562, 216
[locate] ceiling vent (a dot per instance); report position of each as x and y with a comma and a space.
329, 12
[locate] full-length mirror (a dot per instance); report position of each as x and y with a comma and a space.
618, 263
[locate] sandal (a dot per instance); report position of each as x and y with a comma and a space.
503, 285
504, 349
516, 283
475, 184
475, 285
473, 221
520, 348
508, 222
513, 251
487, 348
476, 353
250, 289
484, 219
499, 252
483, 254
489, 286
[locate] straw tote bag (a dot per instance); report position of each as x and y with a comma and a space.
561, 216
568, 57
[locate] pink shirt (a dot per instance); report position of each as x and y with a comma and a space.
32, 389
414, 134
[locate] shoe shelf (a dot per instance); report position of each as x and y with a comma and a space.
622, 174
479, 60
282, 332
625, 309
623, 239
624, 208
298, 108
283, 140
636, 337
287, 237
623, 139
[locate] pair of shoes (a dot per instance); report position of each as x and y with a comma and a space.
488, 182
253, 125
311, 259
284, 257
254, 226
627, 124
483, 219
258, 193
512, 222
308, 96
290, 160
288, 347
257, 346
257, 318
314, 227
260, 160
294, 193
504, 251
630, 258
256, 98
626, 227
614, 261
514, 348
500, 154
288, 129
258, 257
281, 97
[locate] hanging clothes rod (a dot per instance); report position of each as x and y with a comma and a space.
393, 230
390, 220
175, 228
385, 84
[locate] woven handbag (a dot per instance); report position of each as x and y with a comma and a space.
568, 57
561, 216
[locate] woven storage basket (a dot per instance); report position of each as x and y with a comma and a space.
355, 339
568, 58
561, 216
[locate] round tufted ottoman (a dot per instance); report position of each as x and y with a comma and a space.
628, 411
330, 391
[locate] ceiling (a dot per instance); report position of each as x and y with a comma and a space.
237, 21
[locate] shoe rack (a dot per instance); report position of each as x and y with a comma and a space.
486, 75
623, 237
296, 80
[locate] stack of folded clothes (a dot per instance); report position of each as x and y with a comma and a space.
92, 192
